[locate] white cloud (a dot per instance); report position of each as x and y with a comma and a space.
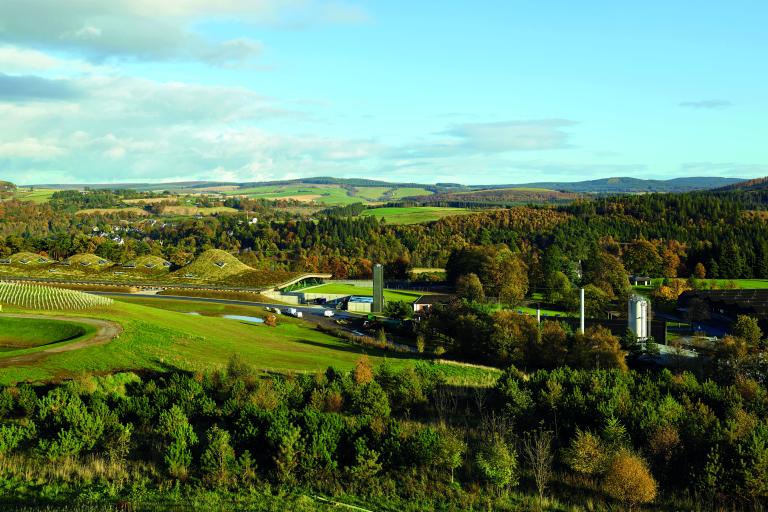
156, 30
30, 148
707, 104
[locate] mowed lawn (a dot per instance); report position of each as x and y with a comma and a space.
745, 284
159, 339
350, 289
21, 333
414, 215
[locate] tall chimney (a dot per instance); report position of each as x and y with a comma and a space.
581, 322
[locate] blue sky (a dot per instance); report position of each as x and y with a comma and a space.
470, 92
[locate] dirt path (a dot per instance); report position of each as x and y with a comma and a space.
106, 331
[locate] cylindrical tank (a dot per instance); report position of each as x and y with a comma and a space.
637, 316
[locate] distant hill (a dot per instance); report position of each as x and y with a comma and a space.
637, 185
755, 184
495, 197
616, 185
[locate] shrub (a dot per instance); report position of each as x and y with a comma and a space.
586, 453
629, 480
218, 459
497, 463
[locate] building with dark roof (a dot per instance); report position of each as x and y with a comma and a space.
427, 301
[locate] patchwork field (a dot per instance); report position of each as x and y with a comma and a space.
414, 215
330, 195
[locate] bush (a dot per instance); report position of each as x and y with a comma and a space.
629, 480
497, 463
218, 460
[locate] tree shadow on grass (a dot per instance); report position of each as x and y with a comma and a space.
362, 350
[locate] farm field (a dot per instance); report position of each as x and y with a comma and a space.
38, 195
195, 210
371, 193
108, 211
746, 284
392, 295
414, 215
37, 297
161, 339
326, 194
402, 192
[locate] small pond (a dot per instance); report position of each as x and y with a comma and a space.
244, 318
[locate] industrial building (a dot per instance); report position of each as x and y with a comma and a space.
721, 307
360, 304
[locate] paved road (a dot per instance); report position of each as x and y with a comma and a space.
106, 331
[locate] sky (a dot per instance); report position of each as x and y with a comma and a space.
482, 92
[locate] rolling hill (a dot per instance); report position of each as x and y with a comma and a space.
635, 185
344, 185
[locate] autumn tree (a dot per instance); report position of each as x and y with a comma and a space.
596, 348
514, 337
469, 287
699, 271
747, 328
642, 258
629, 480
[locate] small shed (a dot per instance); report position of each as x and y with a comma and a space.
639, 281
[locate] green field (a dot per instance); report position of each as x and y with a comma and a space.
329, 195
38, 195
371, 193
746, 284
402, 192
350, 289
21, 333
414, 215
160, 339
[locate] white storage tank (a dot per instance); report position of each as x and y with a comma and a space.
638, 316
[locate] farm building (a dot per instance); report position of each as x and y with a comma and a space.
427, 301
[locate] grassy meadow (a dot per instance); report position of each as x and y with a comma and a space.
414, 215
350, 289
37, 195
157, 338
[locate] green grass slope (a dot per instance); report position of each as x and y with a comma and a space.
158, 339
213, 265
18, 333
